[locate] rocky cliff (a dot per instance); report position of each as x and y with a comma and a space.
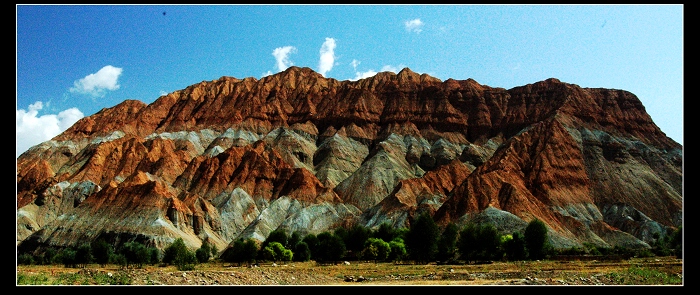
233, 158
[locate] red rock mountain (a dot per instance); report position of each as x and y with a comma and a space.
233, 158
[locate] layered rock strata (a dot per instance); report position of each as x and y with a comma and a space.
238, 158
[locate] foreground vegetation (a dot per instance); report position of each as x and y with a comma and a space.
424, 243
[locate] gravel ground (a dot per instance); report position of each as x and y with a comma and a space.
359, 274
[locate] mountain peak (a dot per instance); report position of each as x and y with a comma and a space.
238, 158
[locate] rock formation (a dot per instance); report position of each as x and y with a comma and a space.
238, 158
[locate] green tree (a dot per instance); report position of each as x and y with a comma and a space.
401, 233
398, 250
179, 255
203, 253
118, 259
490, 238
447, 245
467, 246
178, 246
355, 240
294, 239
676, 242
342, 233
67, 256
286, 255
268, 253
279, 235
536, 239
479, 242
232, 253
48, 256
250, 250
185, 261
422, 238
488, 243
83, 255
384, 232
376, 249
331, 248
154, 255
25, 259
302, 252
241, 251
312, 241
135, 253
515, 247
275, 251
214, 250
102, 250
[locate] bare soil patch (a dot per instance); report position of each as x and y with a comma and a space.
634, 271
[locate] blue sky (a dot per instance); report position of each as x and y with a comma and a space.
74, 60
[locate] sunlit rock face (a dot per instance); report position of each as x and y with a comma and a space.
238, 158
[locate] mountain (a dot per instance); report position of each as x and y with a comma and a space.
238, 158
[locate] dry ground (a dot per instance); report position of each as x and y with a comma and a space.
635, 271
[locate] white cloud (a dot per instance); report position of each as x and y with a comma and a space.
362, 75
414, 25
354, 64
389, 68
281, 54
327, 56
98, 83
33, 130
371, 72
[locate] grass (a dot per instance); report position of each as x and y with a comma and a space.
32, 279
643, 276
68, 279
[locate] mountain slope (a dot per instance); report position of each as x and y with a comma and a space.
234, 158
